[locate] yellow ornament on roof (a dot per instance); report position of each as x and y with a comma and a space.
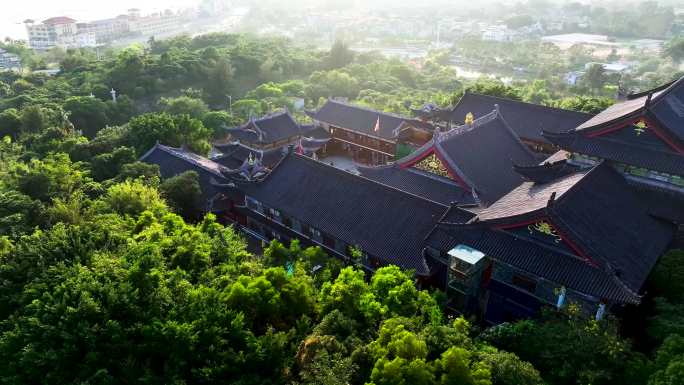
469, 118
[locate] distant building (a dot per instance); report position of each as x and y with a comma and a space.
65, 32
53, 32
572, 78
157, 24
106, 30
8, 60
498, 33
610, 67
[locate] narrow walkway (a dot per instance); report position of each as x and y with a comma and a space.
341, 162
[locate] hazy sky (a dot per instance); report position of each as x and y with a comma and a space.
11, 16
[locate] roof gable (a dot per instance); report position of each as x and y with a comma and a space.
479, 156
664, 104
669, 111
607, 221
597, 214
484, 155
268, 129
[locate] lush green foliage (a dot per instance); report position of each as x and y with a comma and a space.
110, 275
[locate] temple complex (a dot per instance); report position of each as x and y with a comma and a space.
472, 210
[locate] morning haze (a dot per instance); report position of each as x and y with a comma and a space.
342, 192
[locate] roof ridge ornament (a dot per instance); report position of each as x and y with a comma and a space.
461, 129
469, 118
552, 199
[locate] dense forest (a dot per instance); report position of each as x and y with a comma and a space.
109, 274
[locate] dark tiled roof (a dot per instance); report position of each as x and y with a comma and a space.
616, 149
188, 157
526, 119
661, 203
669, 110
607, 221
233, 155
420, 183
537, 259
597, 211
665, 103
546, 172
173, 161
315, 132
456, 214
529, 197
243, 135
314, 138
385, 222
484, 157
615, 112
633, 106
268, 129
359, 119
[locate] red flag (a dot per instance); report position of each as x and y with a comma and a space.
377, 125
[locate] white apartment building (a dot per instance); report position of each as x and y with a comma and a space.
65, 32
53, 32
156, 25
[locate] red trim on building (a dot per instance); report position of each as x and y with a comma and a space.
573, 246
418, 159
617, 126
562, 235
520, 224
650, 124
661, 134
451, 172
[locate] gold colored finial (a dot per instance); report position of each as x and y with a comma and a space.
469, 118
